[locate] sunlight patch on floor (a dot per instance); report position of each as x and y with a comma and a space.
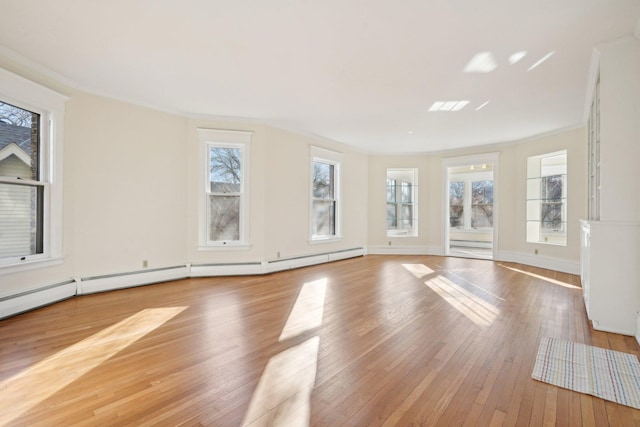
474, 308
418, 270
538, 276
283, 394
307, 311
33, 386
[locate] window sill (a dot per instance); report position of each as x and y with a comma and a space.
320, 240
30, 265
226, 247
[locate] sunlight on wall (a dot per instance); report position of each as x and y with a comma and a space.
538, 276
474, 308
307, 311
282, 397
36, 384
418, 270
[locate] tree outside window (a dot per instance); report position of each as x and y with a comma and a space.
223, 213
225, 193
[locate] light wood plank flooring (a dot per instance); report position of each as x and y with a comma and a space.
372, 341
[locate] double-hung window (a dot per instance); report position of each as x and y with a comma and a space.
402, 206
471, 201
325, 194
224, 208
547, 198
30, 173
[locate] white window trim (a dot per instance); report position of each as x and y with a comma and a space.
414, 192
26, 94
232, 139
334, 158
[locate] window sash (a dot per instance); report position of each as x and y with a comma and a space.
22, 219
325, 199
224, 208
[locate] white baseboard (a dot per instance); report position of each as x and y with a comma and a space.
557, 264
405, 250
16, 304
601, 327
272, 266
228, 269
89, 285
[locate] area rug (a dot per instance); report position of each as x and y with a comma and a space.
611, 375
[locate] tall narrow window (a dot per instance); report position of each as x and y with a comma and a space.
456, 204
31, 118
325, 194
225, 204
547, 198
402, 206
21, 189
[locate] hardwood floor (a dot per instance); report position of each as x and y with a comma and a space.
378, 340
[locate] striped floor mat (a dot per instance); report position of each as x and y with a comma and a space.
608, 374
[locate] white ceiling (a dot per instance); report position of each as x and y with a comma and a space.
361, 72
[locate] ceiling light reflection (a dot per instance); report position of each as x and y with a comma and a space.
485, 103
517, 57
541, 60
482, 62
448, 105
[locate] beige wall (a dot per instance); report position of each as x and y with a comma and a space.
131, 192
279, 195
511, 192
127, 171
620, 130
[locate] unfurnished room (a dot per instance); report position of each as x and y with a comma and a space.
319, 213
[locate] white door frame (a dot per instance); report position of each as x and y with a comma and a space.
476, 159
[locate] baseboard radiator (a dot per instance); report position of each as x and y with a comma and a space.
30, 300
110, 282
272, 266
12, 305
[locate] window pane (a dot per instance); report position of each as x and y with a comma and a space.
392, 220
19, 136
482, 216
551, 216
456, 216
20, 220
481, 192
406, 221
407, 196
225, 169
391, 190
552, 187
224, 218
323, 180
456, 193
456, 204
481, 204
323, 218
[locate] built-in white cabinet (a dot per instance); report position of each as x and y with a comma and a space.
610, 267
610, 274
